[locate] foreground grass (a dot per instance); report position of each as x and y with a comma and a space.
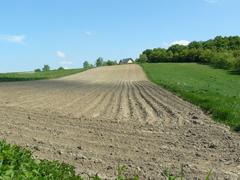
28, 76
17, 163
216, 91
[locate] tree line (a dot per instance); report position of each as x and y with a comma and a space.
99, 62
47, 68
220, 52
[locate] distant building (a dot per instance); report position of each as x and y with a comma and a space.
126, 61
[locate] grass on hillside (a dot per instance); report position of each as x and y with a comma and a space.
28, 76
216, 91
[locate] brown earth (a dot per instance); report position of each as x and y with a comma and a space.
108, 116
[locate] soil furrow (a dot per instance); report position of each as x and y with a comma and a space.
107, 116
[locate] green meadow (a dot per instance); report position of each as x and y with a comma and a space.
214, 90
28, 76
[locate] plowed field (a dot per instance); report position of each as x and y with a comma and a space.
107, 116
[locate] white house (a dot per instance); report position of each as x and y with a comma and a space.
126, 61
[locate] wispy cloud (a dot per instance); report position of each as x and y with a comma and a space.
212, 1
19, 39
61, 54
89, 33
181, 42
64, 61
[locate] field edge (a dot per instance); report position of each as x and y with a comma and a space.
207, 110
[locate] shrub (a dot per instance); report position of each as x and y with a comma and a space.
222, 60
17, 163
37, 70
61, 68
237, 64
110, 63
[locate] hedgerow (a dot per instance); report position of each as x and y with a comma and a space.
220, 52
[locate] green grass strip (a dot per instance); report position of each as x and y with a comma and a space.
29, 76
214, 90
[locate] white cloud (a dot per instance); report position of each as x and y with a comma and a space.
181, 42
19, 39
165, 45
66, 62
88, 33
212, 1
61, 54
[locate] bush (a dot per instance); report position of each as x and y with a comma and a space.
37, 70
222, 60
100, 62
17, 163
237, 64
109, 63
61, 68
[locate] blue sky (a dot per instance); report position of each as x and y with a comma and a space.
67, 32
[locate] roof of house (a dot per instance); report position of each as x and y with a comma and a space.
126, 60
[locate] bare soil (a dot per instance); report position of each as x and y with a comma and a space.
111, 116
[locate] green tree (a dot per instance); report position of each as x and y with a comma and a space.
37, 70
109, 63
46, 68
61, 68
143, 58
237, 64
148, 52
221, 52
195, 45
176, 48
86, 64
99, 62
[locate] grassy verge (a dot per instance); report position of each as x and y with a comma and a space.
28, 76
216, 91
17, 163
